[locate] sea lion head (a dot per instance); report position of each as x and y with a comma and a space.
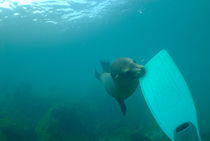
126, 69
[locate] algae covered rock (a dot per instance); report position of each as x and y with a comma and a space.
121, 131
63, 123
205, 136
12, 130
139, 137
124, 131
155, 133
125, 134
2, 137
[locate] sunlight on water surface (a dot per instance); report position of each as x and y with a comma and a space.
56, 11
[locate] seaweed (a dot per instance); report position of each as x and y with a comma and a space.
139, 137
63, 123
11, 130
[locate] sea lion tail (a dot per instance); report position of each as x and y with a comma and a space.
122, 106
105, 66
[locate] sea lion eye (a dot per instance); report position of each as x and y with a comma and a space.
134, 61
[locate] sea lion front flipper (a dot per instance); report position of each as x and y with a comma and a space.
122, 106
106, 66
105, 69
97, 74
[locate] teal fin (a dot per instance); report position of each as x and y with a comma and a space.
167, 94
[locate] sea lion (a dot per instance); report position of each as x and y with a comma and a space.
120, 78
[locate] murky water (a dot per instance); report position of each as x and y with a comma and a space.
50, 48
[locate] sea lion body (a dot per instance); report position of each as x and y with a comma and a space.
121, 79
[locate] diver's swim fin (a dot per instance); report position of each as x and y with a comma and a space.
167, 94
122, 106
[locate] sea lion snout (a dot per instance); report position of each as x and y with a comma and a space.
139, 70
135, 70
126, 68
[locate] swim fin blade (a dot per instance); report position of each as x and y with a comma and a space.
167, 94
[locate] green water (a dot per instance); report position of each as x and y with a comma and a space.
48, 90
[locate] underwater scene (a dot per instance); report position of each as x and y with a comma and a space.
77, 70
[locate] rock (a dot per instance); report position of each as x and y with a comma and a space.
63, 123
